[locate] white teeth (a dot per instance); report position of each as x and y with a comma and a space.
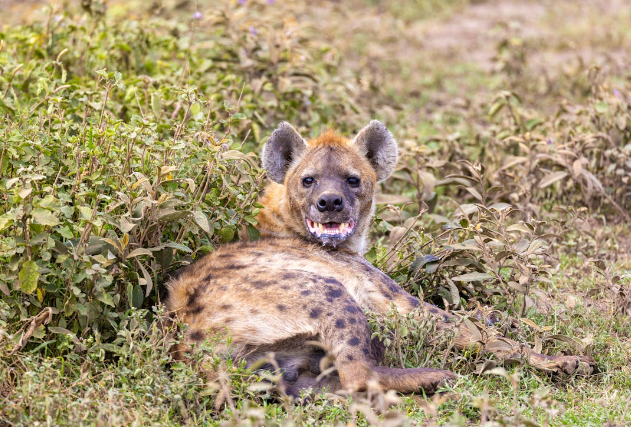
329, 229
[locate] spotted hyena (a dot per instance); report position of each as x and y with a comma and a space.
306, 280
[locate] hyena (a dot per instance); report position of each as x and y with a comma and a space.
306, 279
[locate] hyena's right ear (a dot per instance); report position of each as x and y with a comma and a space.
284, 146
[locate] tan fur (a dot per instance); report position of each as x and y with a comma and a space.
292, 287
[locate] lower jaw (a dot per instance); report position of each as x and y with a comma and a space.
330, 240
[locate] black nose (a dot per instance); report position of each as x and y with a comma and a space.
330, 202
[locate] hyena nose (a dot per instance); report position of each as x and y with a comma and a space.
330, 202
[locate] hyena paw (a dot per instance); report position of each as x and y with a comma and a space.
433, 380
575, 365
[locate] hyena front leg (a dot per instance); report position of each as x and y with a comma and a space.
385, 293
505, 348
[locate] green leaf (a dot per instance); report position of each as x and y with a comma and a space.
495, 108
28, 277
253, 233
226, 234
138, 252
105, 298
156, 104
126, 226
24, 192
552, 178
178, 246
44, 217
86, 212
6, 220
472, 277
201, 221
10, 182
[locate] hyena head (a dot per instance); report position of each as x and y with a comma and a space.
328, 183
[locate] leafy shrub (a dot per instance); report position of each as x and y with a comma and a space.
124, 159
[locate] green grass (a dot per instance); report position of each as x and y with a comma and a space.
130, 148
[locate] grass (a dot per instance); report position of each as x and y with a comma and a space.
129, 148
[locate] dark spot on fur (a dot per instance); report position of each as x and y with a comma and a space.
352, 320
393, 286
228, 320
233, 266
365, 351
225, 255
350, 358
305, 293
340, 323
192, 298
254, 311
388, 296
257, 253
195, 310
225, 306
288, 276
433, 310
315, 313
260, 284
377, 349
354, 341
334, 293
223, 288
351, 309
332, 281
415, 302
197, 335
281, 307
284, 287
208, 277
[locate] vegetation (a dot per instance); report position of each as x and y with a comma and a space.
130, 141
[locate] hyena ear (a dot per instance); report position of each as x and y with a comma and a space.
284, 146
380, 148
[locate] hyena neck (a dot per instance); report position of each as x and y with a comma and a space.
276, 220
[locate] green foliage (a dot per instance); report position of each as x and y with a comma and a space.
104, 195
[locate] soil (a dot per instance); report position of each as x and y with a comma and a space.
20, 11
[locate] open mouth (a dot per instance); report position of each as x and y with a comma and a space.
335, 230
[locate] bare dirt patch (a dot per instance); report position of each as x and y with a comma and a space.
556, 32
20, 11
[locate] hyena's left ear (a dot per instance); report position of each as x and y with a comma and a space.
380, 148
283, 147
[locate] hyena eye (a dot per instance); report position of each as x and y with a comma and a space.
353, 181
307, 181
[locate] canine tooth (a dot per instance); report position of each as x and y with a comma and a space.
342, 227
320, 227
